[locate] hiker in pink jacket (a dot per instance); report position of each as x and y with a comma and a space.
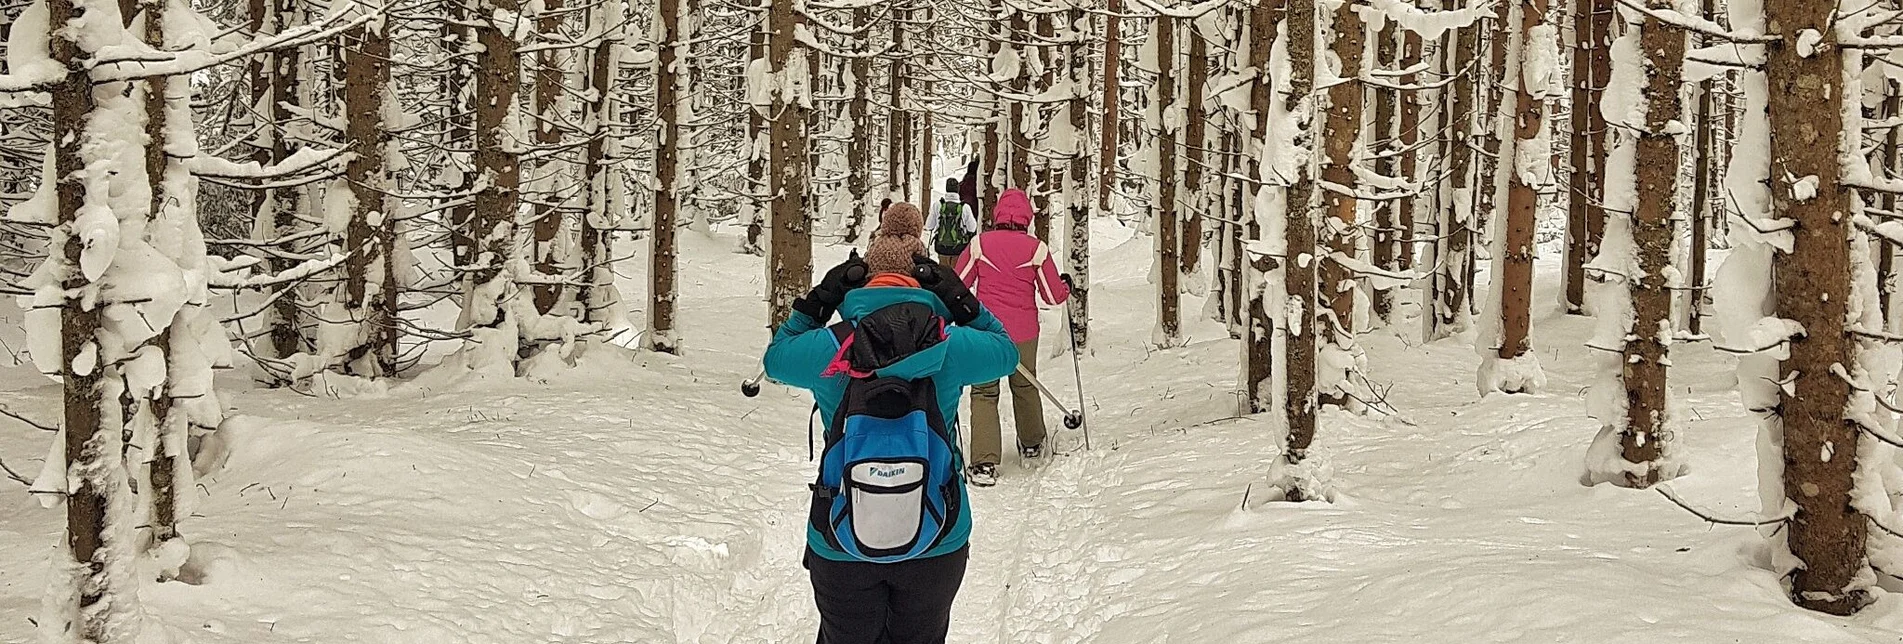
1011, 271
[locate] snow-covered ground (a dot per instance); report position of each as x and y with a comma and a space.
640, 498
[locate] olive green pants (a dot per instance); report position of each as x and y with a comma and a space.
1026, 407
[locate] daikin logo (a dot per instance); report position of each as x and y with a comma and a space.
887, 473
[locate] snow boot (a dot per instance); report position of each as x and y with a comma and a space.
1031, 452
983, 475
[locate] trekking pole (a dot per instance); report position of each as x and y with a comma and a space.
1078, 371
751, 386
1072, 419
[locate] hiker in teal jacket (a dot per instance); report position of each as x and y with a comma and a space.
908, 601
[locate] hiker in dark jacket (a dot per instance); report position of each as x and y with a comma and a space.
951, 225
907, 602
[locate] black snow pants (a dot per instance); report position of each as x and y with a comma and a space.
908, 602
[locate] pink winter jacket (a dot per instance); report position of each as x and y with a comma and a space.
1011, 270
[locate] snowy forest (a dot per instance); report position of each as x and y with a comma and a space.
1431, 320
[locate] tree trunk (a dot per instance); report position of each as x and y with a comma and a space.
498, 75
1583, 163
897, 146
1523, 194
1195, 139
1258, 330
859, 144
285, 319
790, 260
98, 599
757, 135
369, 297
1300, 278
1077, 251
1702, 207
1456, 268
1643, 369
1382, 144
1169, 318
600, 300
1410, 137
1020, 145
1827, 533
668, 99
1336, 283
547, 218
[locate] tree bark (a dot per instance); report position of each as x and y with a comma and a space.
859, 145
1584, 162
1195, 137
91, 435
667, 107
1523, 194
498, 75
1336, 283
547, 218
286, 320
1077, 251
1258, 354
1457, 259
1382, 144
1169, 317
1304, 294
1813, 283
1647, 356
790, 259
598, 295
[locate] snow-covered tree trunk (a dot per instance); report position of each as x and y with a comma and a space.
1509, 364
1381, 141
489, 288
858, 83
1583, 164
1077, 250
1296, 123
671, 53
599, 298
1813, 282
277, 208
547, 184
1635, 443
1041, 156
1018, 83
1450, 306
1169, 325
1196, 140
790, 256
1341, 129
1258, 340
759, 146
364, 340
898, 146
1410, 137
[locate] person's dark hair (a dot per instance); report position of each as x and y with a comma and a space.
951, 184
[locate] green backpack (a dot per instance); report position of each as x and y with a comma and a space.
951, 237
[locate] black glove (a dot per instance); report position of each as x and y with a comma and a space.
825, 298
942, 281
1065, 278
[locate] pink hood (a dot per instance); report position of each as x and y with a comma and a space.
1012, 271
1013, 209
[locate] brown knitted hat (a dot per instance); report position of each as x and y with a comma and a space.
897, 240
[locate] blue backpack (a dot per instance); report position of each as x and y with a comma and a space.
889, 486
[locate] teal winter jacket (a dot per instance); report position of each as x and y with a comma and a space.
972, 354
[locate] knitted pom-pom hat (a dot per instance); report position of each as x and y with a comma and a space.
897, 240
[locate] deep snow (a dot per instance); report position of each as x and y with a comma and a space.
640, 498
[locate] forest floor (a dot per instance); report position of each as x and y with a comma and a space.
640, 498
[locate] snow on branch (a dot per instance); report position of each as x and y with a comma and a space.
195, 60
1429, 24
1695, 24
1190, 12
301, 161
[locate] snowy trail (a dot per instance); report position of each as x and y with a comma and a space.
641, 499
